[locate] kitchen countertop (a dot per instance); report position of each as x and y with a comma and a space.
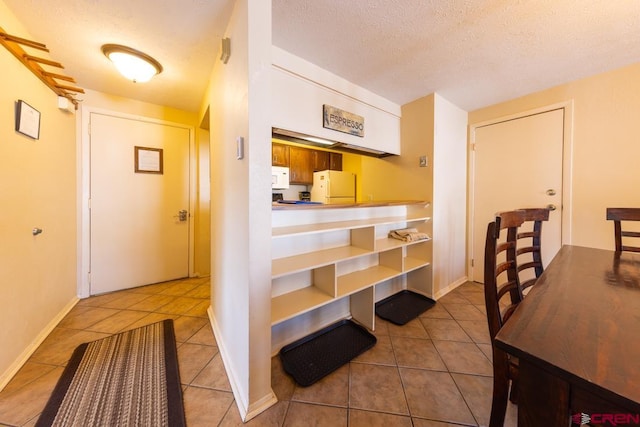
292, 206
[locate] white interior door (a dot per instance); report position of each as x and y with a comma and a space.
518, 164
138, 236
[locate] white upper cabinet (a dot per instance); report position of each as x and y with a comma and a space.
300, 89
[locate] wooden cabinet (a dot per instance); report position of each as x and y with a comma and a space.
335, 161
300, 166
320, 160
323, 160
303, 162
312, 276
279, 155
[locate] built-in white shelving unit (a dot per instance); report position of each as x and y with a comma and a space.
319, 262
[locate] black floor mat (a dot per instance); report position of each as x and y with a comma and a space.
403, 307
317, 355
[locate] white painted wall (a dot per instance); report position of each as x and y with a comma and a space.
300, 89
239, 96
449, 196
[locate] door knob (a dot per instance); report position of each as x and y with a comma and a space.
182, 215
551, 207
551, 192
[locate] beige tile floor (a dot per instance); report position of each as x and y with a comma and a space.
433, 372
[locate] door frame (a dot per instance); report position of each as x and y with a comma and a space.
84, 181
567, 164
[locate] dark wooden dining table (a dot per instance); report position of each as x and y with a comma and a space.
577, 337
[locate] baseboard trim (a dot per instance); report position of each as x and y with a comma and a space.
260, 406
452, 286
31, 348
247, 411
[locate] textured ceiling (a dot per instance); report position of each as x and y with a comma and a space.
474, 53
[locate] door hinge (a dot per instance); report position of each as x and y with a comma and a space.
472, 263
473, 147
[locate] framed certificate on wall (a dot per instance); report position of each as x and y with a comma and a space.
148, 160
27, 120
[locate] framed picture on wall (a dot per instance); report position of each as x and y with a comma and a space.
27, 120
148, 160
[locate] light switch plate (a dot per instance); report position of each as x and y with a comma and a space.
423, 161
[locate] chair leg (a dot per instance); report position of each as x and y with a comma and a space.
500, 389
513, 397
499, 402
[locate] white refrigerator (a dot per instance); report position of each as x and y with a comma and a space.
333, 187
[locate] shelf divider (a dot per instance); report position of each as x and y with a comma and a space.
362, 306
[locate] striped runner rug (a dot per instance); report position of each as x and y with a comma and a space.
127, 379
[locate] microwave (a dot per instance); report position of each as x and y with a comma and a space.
279, 177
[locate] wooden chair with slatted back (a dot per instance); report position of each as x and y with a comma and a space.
529, 242
502, 295
617, 215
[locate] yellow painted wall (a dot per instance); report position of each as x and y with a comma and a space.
203, 207
401, 177
605, 146
37, 189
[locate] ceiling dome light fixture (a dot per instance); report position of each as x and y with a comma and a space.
133, 64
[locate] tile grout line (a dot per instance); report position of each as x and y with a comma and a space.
449, 371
